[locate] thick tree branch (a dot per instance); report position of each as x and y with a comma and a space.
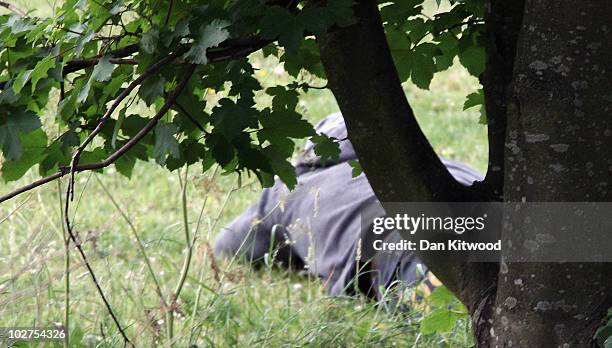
394, 153
229, 49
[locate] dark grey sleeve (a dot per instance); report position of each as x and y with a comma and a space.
253, 233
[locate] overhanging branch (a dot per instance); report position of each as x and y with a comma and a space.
170, 99
231, 49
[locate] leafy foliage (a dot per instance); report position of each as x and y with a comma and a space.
90, 51
446, 312
603, 335
423, 45
477, 99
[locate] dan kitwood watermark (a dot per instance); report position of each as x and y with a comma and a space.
491, 231
407, 224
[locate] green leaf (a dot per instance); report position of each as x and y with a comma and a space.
33, 146
439, 321
281, 166
474, 99
441, 297
603, 335
11, 127
222, 150
21, 80
208, 36
111, 88
66, 108
447, 43
118, 125
54, 158
399, 11
165, 142
278, 23
356, 167
473, 59
82, 41
279, 126
148, 42
341, 12
315, 19
8, 95
191, 107
83, 88
423, 65
152, 88
399, 43
19, 24
116, 8
283, 98
230, 118
96, 155
477, 99
417, 29
306, 57
326, 147
103, 70
125, 164
41, 69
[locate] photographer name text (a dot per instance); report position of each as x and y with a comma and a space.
425, 245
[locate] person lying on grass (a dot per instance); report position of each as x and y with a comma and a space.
317, 228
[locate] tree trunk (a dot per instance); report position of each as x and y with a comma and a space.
394, 153
558, 148
547, 91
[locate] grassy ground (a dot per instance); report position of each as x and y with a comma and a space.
222, 303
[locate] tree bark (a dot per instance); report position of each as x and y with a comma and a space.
546, 85
503, 21
558, 148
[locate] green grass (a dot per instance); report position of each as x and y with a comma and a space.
236, 305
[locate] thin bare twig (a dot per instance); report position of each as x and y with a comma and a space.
143, 251
90, 270
169, 101
13, 8
15, 210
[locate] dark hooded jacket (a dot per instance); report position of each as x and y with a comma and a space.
318, 225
